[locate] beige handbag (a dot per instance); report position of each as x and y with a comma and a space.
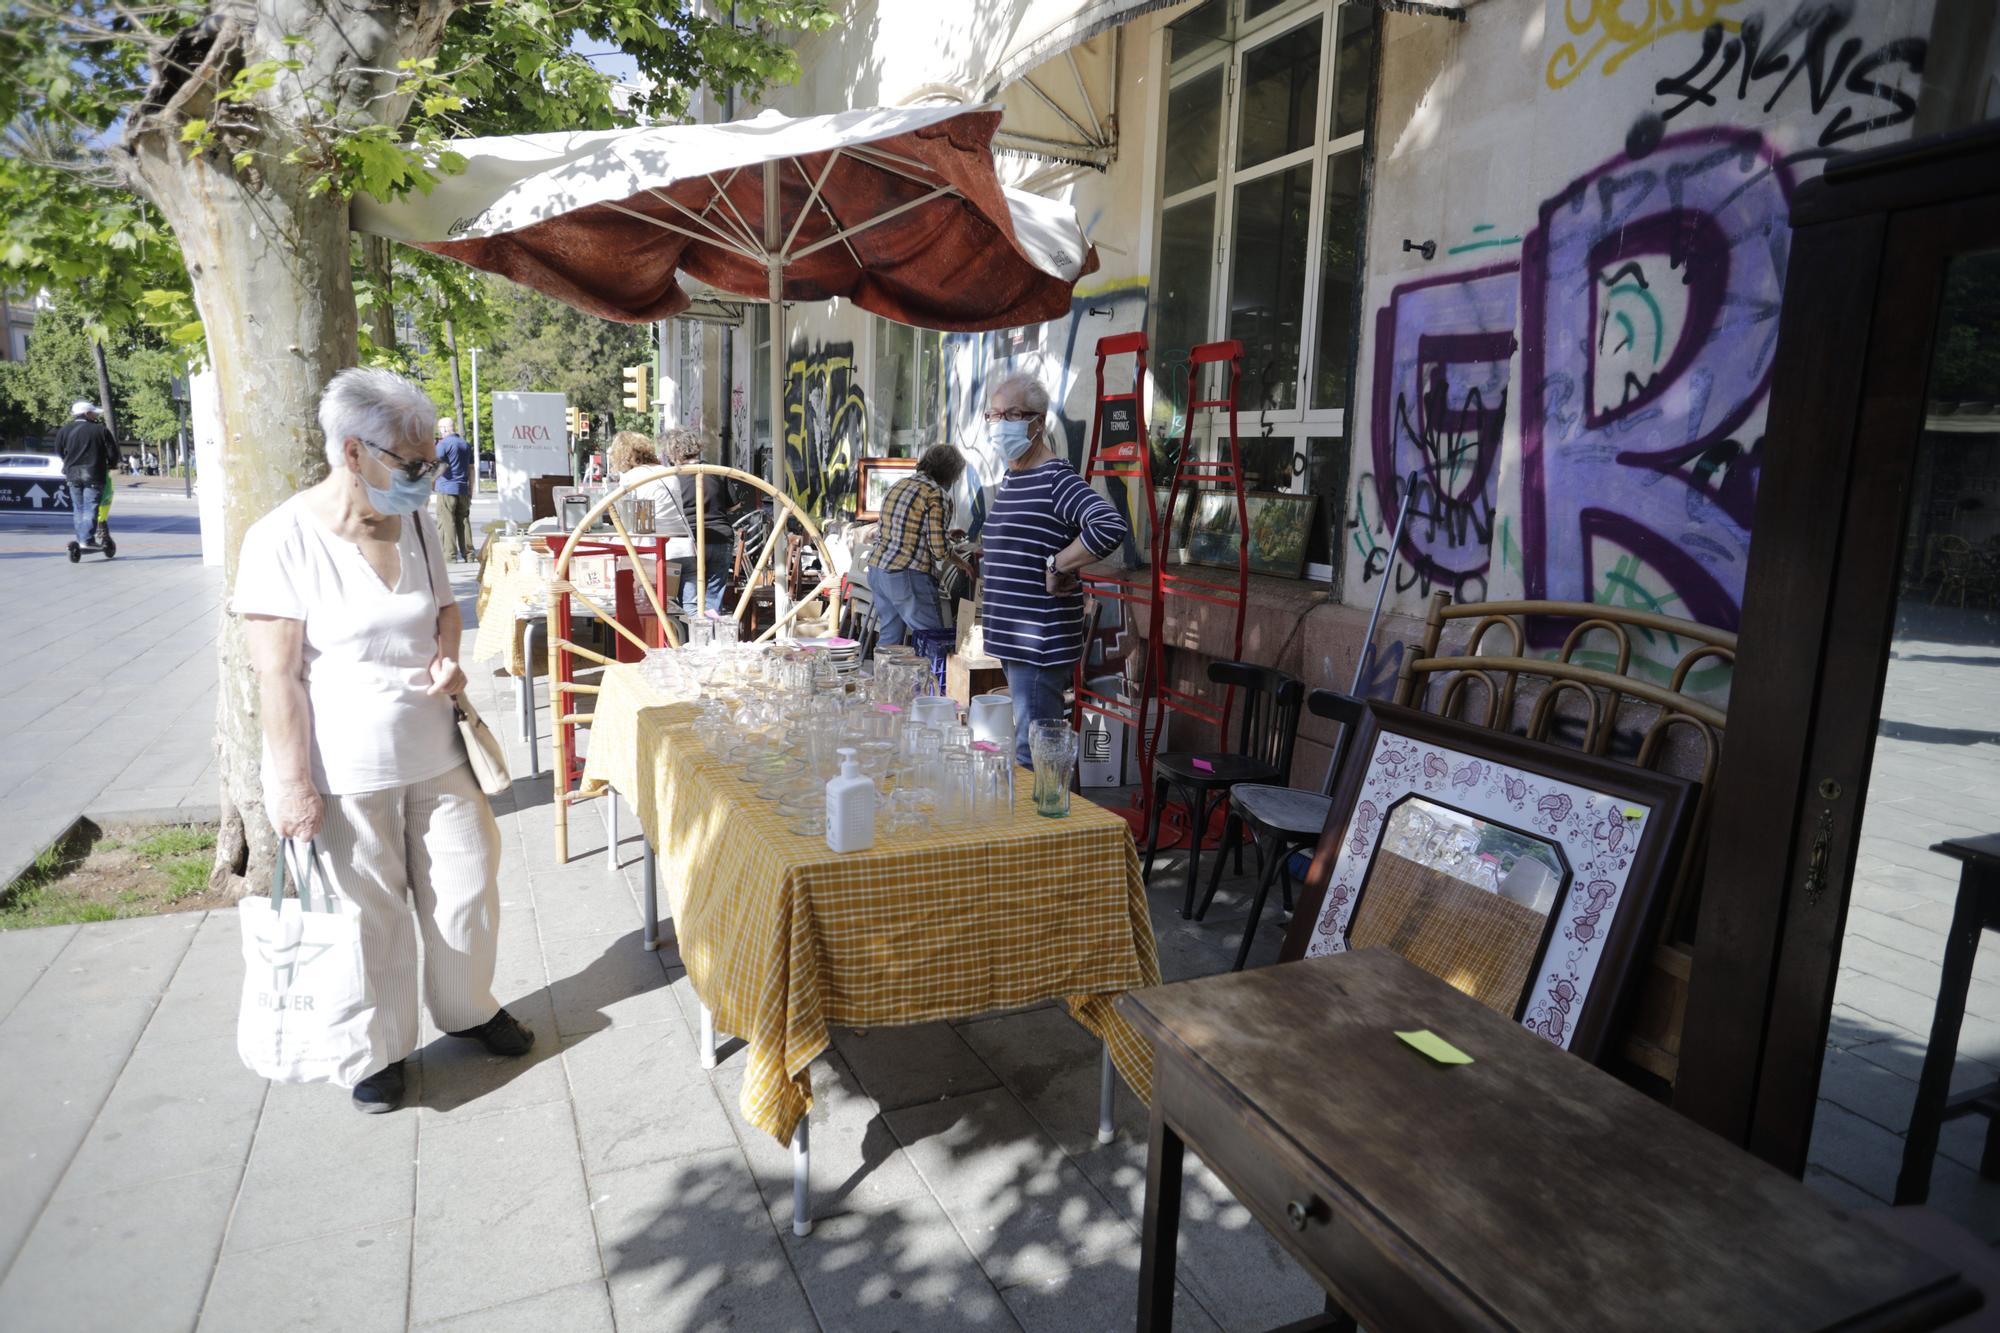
482, 747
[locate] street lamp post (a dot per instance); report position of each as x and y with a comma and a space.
475, 421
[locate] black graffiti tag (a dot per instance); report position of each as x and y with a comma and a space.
1802, 45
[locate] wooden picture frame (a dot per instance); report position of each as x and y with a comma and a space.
1280, 530
1621, 831
872, 479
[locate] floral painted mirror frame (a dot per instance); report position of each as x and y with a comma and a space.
1620, 829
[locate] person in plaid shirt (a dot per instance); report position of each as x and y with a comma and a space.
910, 545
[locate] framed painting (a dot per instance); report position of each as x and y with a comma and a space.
1280, 530
1172, 527
873, 478
1525, 875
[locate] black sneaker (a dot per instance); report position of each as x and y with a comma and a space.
501, 1034
381, 1091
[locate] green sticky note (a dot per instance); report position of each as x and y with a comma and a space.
1634, 812
1436, 1047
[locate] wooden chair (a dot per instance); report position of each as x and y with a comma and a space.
1281, 820
1268, 728
1627, 705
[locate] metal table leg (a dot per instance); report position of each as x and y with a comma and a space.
1107, 1129
611, 830
649, 879
707, 1037
529, 729
802, 1178
524, 706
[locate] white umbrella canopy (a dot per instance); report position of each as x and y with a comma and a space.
896, 209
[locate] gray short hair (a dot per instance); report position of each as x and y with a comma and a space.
1033, 393
376, 405
683, 445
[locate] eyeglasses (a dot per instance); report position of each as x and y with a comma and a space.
412, 469
1011, 414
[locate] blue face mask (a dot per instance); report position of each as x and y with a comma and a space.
1011, 438
403, 496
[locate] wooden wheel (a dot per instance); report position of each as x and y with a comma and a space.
563, 652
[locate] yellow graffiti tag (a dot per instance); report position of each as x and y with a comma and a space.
1604, 24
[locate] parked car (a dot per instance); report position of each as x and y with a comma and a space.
31, 465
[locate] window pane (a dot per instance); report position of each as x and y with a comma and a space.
930, 386
1280, 91
1353, 59
1340, 240
892, 392
1194, 132
1326, 477
1187, 263
1195, 33
1267, 284
760, 376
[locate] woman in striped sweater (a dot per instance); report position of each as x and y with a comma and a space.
1046, 523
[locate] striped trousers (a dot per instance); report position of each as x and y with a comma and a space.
435, 848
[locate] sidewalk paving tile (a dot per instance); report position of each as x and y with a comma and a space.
501, 1212
320, 1168
582, 1308
176, 1111
353, 1282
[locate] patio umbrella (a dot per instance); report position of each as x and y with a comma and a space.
895, 209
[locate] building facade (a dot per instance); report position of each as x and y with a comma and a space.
1519, 262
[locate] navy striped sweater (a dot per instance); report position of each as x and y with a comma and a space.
1036, 513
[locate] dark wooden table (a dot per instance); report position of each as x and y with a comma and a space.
1977, 911
1525, 1190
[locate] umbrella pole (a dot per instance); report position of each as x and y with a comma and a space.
774, 260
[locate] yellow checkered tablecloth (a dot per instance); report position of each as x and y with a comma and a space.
783, 938
504, 580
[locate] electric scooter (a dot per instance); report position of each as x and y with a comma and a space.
103, 543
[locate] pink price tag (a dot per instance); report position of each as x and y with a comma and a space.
888, 708
987, 746
1204, 765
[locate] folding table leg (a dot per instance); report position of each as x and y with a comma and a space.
611, 829
649, 879
1107, 1128
524, 705
528, 729
707, 1038
802, 1178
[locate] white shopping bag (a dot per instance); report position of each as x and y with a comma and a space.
306, 1004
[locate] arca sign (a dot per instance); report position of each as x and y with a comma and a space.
527, 431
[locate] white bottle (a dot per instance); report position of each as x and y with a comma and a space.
850, 807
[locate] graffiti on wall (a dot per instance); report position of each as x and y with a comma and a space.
1444, 349
1811, 49
1855, 83
826, 428
1646, 300
1604, 28
1650, 298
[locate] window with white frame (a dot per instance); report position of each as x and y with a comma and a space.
905, 388
1261, 213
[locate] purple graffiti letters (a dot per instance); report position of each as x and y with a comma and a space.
1443, 350
1651, 290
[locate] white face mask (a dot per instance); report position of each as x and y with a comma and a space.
1011, 438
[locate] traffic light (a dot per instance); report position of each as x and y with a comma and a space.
639, 387
582, 423
573, 418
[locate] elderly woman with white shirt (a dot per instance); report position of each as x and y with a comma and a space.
354, 634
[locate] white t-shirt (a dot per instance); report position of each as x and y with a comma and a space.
368, 648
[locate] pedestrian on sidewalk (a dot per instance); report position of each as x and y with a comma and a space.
357, 660
1046, 524
911, 546
89, 456
454, 488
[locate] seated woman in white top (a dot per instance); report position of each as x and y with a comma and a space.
354, 634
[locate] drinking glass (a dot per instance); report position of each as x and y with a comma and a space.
955, 803
722, 629
993, 784
1052, 745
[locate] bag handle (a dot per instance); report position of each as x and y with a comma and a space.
424, 550
287, 848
